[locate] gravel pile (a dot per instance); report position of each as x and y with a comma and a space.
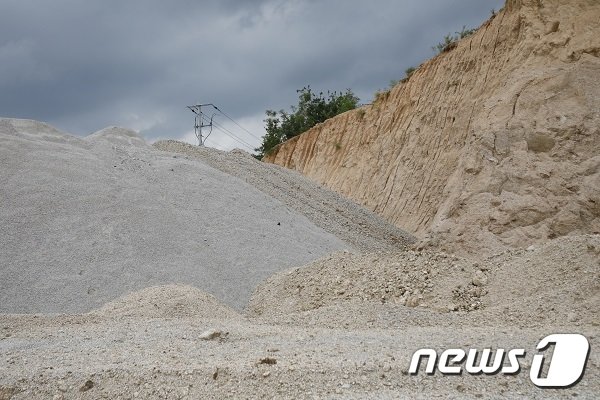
355, 225
166, 247
85, 221
554, 283
167, 301
413, 279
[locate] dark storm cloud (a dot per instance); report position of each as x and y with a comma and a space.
83, 65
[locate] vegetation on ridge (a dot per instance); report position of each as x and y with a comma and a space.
311, 110
450, 41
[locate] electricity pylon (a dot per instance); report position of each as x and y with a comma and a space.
201, 121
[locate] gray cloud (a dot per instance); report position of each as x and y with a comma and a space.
83, 65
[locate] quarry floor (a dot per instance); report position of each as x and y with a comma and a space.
113, 283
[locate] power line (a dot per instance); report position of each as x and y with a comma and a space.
200, 119
233, 135
199, 122
232, 120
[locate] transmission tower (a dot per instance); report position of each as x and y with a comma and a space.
202, 121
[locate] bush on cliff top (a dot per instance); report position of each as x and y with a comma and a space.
311, 110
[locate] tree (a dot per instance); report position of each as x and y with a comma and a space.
311, 110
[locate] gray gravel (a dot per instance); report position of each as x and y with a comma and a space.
87, 220
354, 224
166, 359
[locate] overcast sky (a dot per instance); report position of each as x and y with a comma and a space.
82, 65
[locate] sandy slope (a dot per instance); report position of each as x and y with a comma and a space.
355, 225
492, 144
556, 283
112, 213
87, 220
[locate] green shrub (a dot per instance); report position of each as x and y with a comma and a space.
311, 110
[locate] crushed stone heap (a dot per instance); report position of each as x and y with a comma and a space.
85, 221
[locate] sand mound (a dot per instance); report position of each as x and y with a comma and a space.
435, 281
86, 221
554, 283
117, 136
34, 130
167, 301
328, 210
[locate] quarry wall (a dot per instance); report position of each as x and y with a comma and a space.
493, 143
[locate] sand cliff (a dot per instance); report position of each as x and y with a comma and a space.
493, 143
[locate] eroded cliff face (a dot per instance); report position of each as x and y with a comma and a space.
494, 143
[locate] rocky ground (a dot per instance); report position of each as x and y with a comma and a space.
138, 357
176, 342
340, 322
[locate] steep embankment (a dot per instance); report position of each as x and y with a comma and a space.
493, 143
